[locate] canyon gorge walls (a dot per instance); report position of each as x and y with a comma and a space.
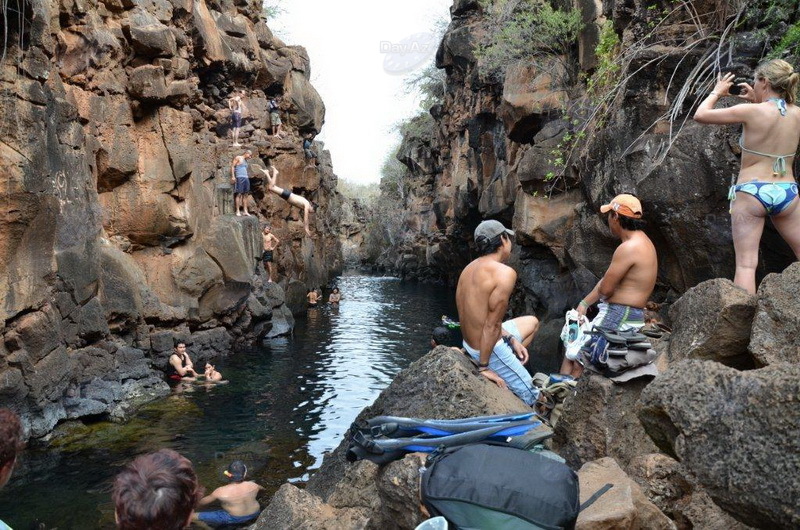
117, 237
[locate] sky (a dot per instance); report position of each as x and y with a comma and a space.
360, 51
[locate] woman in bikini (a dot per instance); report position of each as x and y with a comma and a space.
766, 185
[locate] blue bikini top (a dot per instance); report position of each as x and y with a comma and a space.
779, 166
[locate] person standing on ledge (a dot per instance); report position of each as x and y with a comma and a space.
271, 242
241, 182
766, 185
295, 200
275, 115
482, 294
237, 107
626, 286
311, 156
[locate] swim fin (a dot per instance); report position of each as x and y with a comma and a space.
394, 426
522, 434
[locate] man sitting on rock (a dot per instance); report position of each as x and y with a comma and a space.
180, 367
627, 284
238, 499
484, 288
292, 198
157, 490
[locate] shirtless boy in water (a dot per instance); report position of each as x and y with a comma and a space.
238, 499
292, 198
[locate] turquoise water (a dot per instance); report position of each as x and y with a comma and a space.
287, 403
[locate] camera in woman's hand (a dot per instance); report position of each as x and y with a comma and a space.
736, 89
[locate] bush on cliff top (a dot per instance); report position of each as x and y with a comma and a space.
524, 29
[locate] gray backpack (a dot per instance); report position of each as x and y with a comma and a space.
490, 487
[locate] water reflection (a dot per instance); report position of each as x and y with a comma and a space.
287, 403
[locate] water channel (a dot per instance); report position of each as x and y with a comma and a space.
287, 404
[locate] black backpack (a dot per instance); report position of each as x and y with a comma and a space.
489, 487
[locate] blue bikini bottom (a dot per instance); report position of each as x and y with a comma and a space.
774, 196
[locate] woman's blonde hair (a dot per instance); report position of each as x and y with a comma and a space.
781, 77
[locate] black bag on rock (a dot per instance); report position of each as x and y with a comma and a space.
488, 487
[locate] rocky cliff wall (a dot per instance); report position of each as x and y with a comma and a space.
495, 148
116, 236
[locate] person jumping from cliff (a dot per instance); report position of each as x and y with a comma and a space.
180, 366
275, 115
241, 182
238, 499
271, 172
482, 294
626, 286
237, 108
271, 242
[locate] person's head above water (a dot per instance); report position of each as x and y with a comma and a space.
157, 491
180, 347
489, 236
236, 471
625, 210
440, 336
335, 290
780, 76
10, 443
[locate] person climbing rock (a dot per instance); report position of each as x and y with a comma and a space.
238, 499
271, 172
180, 366
626, 286
271, 242
275, 115
237, 107
241, 182
482, 294
765, 185
311, 156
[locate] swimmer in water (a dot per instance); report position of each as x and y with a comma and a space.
212, 374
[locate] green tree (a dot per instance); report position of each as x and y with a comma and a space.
524, 29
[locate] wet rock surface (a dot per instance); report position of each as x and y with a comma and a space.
118, 151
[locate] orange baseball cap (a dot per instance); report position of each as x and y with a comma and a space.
624, 204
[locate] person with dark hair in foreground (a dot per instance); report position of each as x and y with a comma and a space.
157, 491
484, 287
10, 446
626, 286
180, 366
238, 499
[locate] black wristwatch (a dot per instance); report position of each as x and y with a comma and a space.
482, 366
